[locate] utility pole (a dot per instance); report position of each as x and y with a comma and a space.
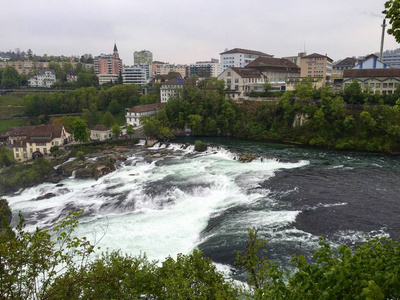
383, 36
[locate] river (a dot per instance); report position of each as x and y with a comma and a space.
165, 205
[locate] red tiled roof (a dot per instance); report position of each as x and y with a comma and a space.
247, 72
352, 73
246, 51
316, 55
147, 107
47, 131
272, 62
100, 128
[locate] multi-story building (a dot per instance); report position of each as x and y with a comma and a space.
373, 80
238, 81
135, 75
35, 141
164, 69
391, 59
316, 65
275, 70
205, 69
44, 78
296, 59
154, 66
134, 114
108, 67
239, 57
143, 57
170, 88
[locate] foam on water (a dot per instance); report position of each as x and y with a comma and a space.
161, 207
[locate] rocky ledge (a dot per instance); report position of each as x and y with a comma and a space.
93, 166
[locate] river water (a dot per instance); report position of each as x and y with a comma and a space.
165, 205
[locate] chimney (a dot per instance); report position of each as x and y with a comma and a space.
383, 36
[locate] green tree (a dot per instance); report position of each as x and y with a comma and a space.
392, 12
116, 130
108, 119
130, 130
80, 131
354, 93
304, 90
10, 77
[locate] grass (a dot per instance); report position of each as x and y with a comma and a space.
5, 124
11, 106
11, 100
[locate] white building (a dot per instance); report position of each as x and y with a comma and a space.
134, 114
170, 88
100, 133
240, 81
205, 69
239, 57
135, 75
44, 78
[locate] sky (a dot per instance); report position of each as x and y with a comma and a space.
186, 31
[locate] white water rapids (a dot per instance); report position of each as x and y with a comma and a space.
162, 205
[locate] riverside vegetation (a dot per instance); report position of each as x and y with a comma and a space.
53, 264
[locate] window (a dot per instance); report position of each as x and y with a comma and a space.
228, 81
236, 80
390, 84
236, 87
17, 154
372, 84
378, 85
44, 150
384, 85
228, 74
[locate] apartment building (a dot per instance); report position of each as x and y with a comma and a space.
43, 79
239, 58
316, 65
108, 66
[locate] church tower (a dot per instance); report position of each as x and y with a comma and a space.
115, 53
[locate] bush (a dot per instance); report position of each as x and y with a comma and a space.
54, 148
200, 146
80, 155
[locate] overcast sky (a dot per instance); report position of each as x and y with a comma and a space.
185, 31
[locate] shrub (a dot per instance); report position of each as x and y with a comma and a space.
200, 146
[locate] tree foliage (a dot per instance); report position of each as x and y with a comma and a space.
80, 131
392, 12
54, 264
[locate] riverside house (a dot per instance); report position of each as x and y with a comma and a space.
134, 114
30, 142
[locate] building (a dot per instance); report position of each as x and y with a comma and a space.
296, 59
164, 69
44, 78
384, 81
316, 65
275, 70
154, 66
143, 57
100, 133
239, 57
170, 88
30, 142
238, 81
391, 59
135, 75
134, 114
371, 62
205, 69
71, 76
108, 67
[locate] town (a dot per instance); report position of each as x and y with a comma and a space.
247, 75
